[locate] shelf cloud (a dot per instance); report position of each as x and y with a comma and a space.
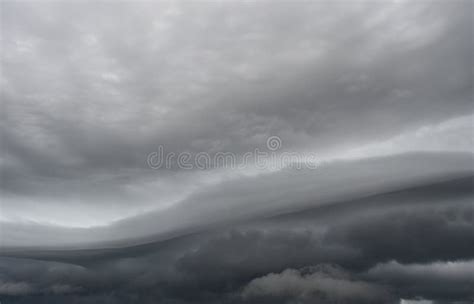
368, 106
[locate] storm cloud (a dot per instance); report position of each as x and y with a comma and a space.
380, 92
376, 249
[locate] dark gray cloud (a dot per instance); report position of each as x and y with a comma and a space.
268, 194
88, 90
381, 92
376, 247
446, 281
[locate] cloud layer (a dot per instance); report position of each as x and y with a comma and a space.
89, 90
381, 91
372, 250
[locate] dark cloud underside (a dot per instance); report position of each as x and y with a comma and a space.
381, 92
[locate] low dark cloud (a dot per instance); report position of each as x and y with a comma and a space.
381, 92
444, 281
268, 194
379, 249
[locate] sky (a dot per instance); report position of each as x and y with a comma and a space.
373, 100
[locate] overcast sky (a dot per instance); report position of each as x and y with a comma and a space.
89, 90
380, 92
